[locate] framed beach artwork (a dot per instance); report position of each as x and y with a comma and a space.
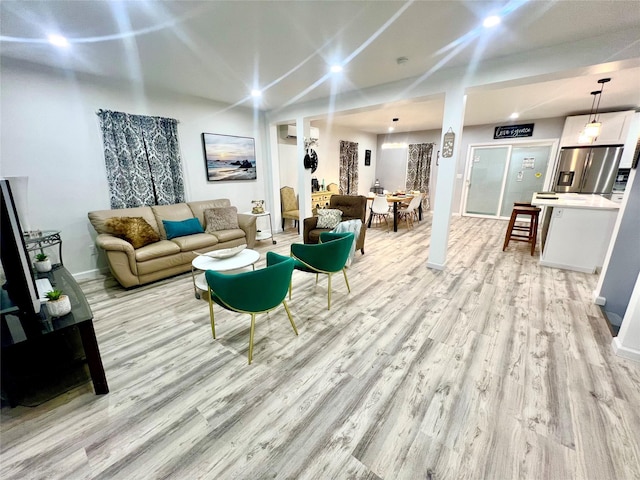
228, 157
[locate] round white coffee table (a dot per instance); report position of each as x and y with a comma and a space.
202, 262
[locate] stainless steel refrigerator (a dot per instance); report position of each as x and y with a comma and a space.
587, 169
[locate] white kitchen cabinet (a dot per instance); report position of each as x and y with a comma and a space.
614, 130
630, 144
576, 230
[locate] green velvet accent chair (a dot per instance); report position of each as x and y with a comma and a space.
258, 291
328, 257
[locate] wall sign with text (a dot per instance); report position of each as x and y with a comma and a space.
514, 131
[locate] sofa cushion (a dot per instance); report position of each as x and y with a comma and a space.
228, 235
162, 248
329, 217
174, 263
181, 228
176, 212
198, 208
98, 217
198, 241
134, 230
224, 218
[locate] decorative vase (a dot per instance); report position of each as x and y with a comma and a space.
43, 266
60, 307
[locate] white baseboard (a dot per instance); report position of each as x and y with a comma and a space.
546, 263
90, 274
625, 352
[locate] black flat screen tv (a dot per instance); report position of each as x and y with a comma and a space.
18, 279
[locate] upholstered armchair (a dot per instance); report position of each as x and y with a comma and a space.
252, 292
289, 205
327, 257
352, 207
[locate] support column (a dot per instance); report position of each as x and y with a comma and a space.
304, 176
454, 105
272, 187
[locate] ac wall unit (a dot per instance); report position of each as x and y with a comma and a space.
292, 132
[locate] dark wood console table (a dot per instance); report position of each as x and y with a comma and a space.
38, 353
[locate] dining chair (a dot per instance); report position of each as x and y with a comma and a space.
328, 257
289, 205
380, 209
254, 292
409, 213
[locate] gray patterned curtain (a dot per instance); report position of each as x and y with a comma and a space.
419, 169
142, 157
348, 168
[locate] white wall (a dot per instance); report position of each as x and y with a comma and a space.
622, 263
391, 168
288, 165
544, 129
328, 151
392, 164
329, 154
50, 132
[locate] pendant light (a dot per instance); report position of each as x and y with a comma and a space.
592, 129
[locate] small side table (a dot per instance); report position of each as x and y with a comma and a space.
264, 234
46, 238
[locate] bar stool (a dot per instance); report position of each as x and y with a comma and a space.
531, 228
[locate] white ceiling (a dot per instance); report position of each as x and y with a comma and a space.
221, 50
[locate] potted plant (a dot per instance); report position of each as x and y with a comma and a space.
58, 304
42, 263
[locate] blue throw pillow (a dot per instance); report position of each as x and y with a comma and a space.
182, 228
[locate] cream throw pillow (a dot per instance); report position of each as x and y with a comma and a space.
329, 217
221, 218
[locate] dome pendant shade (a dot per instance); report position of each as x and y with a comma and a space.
592, 129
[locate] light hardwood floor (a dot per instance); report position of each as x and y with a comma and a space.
495, 368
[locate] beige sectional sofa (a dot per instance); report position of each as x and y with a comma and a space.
137, 266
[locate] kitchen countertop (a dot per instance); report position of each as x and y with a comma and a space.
576, 200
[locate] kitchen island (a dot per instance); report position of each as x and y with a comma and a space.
575, 230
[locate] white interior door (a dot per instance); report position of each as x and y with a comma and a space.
526, 174
485, 178
497, 176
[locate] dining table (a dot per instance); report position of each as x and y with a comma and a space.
395, 200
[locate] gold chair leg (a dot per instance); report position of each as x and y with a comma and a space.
346, 280
290, 285
286, 307
253, 326
329, 294
316, 278
213, 325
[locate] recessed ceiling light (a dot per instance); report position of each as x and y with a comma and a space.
391, 129
256, 93
58, 40
336, 68
491, 21
514, 115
